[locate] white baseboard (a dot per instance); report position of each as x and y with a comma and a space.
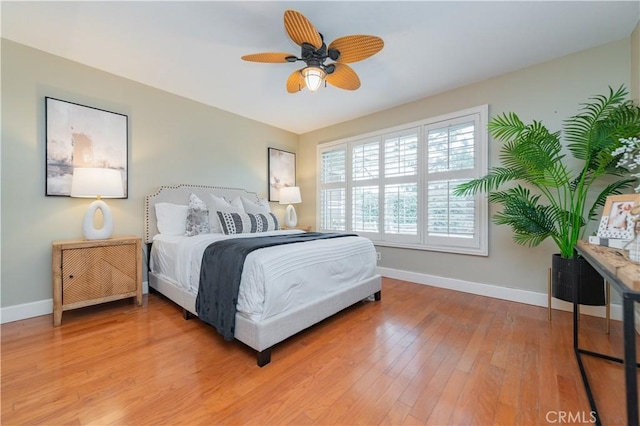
26, 310
36, 309
45, 307
498, 292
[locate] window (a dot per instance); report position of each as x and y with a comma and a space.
396, 186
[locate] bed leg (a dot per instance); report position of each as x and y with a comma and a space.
264, 357
377, 295
186, 314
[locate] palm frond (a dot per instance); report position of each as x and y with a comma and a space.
530, 222
506, 126
582, 130
496, 177
536, 153
624, 121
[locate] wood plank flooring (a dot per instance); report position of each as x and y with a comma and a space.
422, 355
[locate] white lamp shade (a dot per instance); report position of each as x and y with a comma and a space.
313, 77
290, 195
90, 182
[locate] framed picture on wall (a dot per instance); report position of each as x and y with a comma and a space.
282, 171
617, 217
82, 136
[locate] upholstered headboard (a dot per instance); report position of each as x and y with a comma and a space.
179, 194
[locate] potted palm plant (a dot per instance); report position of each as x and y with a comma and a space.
545, 196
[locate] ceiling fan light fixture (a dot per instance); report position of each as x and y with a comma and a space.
313, 77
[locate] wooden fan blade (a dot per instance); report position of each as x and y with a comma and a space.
295, 82
355, 48
343, 77
301, 30
272, 57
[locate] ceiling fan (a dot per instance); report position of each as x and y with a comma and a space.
314, 53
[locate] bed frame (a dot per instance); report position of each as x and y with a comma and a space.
261, 336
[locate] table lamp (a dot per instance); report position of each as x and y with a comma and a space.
89, 182
290, 195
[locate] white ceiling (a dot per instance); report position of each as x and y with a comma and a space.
193, 49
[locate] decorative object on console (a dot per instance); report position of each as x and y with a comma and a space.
290, 195
628, 154
633, 246
90, 182
282, 171
81, 136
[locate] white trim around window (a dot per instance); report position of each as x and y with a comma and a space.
395, 185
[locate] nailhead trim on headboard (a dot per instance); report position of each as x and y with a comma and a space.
179, 194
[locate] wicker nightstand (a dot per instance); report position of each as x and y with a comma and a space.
88, 272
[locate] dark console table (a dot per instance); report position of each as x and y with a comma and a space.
624, 276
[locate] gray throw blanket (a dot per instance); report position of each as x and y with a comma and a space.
221, 270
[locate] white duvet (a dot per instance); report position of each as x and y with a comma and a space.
274, 279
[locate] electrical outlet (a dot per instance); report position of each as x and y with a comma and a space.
378, 255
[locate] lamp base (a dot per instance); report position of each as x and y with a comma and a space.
88, 228
290, 217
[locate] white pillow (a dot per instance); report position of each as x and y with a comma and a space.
237, 203
261, 207
171, 218
219, 204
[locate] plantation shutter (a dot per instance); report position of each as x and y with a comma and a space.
401, 195
332, 189
365, 192
451, 160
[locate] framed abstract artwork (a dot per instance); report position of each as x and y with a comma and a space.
282, 171
82, 136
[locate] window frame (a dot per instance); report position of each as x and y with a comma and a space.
478, 245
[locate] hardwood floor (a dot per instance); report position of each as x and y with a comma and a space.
422, 355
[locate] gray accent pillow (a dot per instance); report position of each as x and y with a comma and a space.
197, 217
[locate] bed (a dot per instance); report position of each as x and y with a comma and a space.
283, 289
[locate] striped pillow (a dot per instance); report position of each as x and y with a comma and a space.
244, 223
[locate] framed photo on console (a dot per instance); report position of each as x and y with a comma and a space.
617, 219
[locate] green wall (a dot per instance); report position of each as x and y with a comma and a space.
549, 92
175, 140
171, 140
